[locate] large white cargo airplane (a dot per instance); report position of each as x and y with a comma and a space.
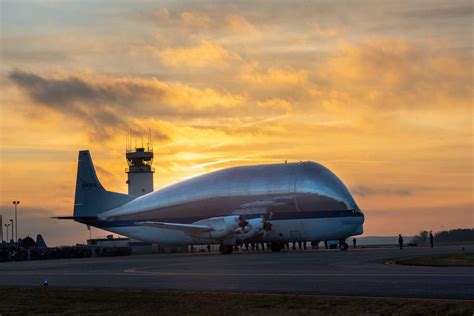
273, 203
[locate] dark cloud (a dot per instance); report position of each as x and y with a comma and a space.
442, 12
64, 92
106, 105
363, 191
103, 107
28, 55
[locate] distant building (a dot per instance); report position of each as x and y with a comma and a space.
109, 241
136, 246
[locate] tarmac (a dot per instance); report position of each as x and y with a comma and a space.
356, 272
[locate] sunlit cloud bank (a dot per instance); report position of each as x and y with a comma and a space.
381, 96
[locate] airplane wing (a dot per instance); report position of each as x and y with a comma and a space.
189, 228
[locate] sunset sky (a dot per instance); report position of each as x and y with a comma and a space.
380, 92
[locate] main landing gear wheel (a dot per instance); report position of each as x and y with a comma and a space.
343, 246
226, 249
276, 247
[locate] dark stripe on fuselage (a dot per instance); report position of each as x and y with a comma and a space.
276, 217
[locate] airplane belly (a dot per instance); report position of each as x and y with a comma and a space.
315, 229
155, 235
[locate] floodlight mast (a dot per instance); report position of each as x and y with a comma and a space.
16, 221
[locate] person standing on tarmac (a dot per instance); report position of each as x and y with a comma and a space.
431, 239
400, 241
354, 242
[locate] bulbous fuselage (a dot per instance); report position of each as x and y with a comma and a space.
306, 200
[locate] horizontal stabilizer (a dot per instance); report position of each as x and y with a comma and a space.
75, 217
189, 228
80, 219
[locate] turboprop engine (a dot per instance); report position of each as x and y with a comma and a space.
228, 230
252, 228
233, 226
222, 226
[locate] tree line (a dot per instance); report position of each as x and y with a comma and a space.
445, 236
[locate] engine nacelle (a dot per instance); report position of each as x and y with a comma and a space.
253, 228
223, 226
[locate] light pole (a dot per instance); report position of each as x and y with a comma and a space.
11, 221
7, 225
16, 222
1, 227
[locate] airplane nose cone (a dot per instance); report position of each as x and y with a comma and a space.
359, 222
359, 230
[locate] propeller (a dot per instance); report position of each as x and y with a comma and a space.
267, 225
242, 222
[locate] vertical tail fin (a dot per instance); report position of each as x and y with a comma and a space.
91, 198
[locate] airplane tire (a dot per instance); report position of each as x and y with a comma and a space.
223, 249
343, 246
226, 249
276, 247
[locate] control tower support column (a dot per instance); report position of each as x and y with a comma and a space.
140, 171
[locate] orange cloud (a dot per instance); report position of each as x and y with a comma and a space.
394, 74
206, 53
252, 74
182, 95
105, 103
276, 104
195, 20
161, 14
329, 32
387, 61
241, 25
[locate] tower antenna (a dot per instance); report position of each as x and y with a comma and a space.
150, 146
151, 141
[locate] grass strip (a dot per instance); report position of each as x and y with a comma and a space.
446, 260
126, 302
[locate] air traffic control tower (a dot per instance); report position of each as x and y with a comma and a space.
140, 170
